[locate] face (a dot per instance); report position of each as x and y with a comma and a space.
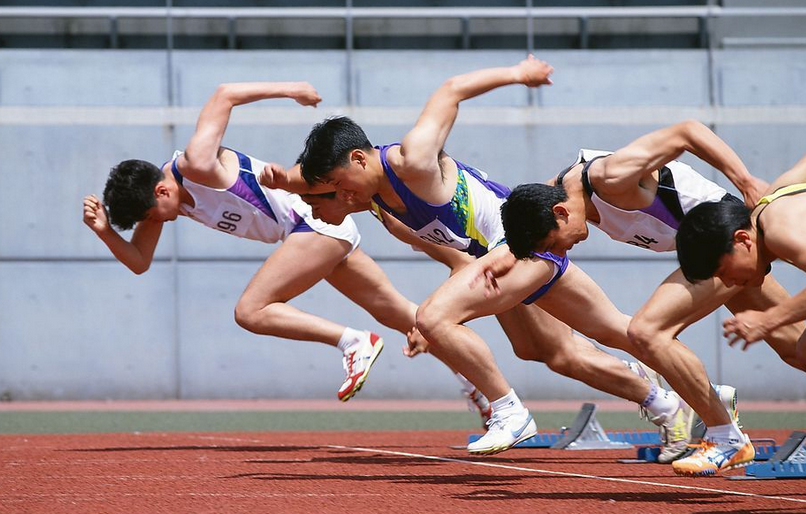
329, 210
572, 229
741, 267
352, 181
167, 207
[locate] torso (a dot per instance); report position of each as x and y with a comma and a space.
470, 221
245, 208
654, 227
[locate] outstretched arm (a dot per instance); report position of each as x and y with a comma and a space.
136, 254
421, 147
623, 170
200, 162
796, 175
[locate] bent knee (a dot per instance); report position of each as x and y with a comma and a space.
432, 320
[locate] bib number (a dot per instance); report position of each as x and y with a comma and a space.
438, 233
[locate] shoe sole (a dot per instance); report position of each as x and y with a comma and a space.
376, 351
502, 448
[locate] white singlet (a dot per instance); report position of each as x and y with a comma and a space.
247, 209
680, 189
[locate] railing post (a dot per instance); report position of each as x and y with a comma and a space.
232, 29
466, 33
113, 32
584, 32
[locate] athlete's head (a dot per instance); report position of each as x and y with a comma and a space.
716, 239
337, 152
136, 190
541, 218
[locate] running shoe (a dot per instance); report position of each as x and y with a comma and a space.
504, 432
477, 402
675, 432
711, 458
357, 362
730, 399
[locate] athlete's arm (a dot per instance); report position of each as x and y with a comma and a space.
276, 177
136, 254
421, 147
621, 172
796, 175
450, 257
201, 162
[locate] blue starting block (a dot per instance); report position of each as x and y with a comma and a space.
586, 433
788, 461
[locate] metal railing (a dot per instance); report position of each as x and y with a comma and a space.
349, 14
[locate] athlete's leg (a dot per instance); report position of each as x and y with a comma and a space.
536, 335
301, 261
360, 279
786, 341
576, 300
653, 331
440, 318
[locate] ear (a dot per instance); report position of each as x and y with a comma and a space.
161, 190
743, 239
359, 156
560, 211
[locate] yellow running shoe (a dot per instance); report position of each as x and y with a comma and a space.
711, 458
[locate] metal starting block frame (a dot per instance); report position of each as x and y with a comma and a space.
788, 461
585, 433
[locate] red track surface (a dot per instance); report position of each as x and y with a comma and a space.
358, 472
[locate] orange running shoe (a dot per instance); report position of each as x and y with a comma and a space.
712, 457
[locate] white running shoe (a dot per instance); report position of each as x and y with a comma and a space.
477, 402
357, 363
504, 432
675, 432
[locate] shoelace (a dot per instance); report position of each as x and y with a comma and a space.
348, 362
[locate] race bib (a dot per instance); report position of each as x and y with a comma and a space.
436, 232
231, 218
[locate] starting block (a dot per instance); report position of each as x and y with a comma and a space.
585, 433
788, 461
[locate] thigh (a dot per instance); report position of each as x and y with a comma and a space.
301, 261
533, 333
677, 303
578, 301
463, 296
362, 280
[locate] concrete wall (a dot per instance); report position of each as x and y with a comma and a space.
76, 324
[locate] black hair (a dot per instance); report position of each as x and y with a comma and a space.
706, 234
129, 192
329, 145
528, 216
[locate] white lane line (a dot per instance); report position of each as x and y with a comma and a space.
565, 474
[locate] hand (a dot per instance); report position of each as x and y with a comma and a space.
306, 95
273, 176
534, 72
95, 214
417, 344
490, 270
747, 326
754, 191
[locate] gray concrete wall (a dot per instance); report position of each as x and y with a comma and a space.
76, 324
